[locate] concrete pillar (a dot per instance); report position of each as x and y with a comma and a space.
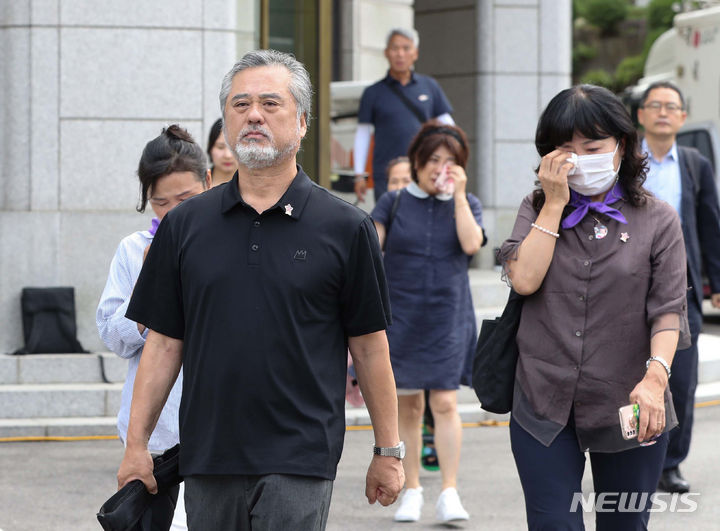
499, 62
85, 85
370, 22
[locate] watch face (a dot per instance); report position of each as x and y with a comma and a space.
401, 450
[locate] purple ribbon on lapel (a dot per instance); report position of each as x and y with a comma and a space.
582, 204
154, 224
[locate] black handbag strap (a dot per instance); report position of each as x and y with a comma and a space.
393, 211
406, 101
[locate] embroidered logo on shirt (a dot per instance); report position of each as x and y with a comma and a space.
300, 255
423, 97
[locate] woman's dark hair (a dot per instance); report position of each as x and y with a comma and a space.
173, 151
215, 131
431, 136
595, 113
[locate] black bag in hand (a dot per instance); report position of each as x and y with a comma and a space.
496, 358
48, 316
124, 509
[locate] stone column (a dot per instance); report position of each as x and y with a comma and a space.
85, 85
499, 62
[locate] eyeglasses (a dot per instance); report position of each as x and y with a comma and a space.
656, 106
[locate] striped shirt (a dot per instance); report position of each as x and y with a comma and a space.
121, 335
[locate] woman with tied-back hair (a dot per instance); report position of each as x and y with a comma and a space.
222, 160
429, 242
601, 263
172, 168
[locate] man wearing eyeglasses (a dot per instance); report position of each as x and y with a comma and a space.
684, 178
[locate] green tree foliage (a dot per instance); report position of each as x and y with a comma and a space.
629, 71
660, 14
582, 52
598, 77
577, 8
605, 14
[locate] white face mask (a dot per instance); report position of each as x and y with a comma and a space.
593, 174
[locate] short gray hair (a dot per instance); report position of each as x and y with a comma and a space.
403, 32
299, 86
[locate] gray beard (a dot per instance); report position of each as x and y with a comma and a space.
256, 157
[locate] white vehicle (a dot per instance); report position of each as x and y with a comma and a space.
688, 55
344, 103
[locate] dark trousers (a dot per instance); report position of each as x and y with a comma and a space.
257, 503
159, 515
551, 477
683, 383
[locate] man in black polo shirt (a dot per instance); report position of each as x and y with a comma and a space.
257, 288
396, 106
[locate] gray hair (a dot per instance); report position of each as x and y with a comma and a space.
299, 86
403, 32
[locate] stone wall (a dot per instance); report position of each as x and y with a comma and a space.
85, 84
366, 24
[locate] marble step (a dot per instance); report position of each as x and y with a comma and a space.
59, 400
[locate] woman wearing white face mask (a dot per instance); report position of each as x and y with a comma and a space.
601, 263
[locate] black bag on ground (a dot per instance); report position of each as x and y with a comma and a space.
496, 358
48, 316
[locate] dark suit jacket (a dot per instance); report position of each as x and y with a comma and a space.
700, 219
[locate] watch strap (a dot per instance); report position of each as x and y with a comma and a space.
661, 361
390, 451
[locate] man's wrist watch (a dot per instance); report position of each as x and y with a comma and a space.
391, 451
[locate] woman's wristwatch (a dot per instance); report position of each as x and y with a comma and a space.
661, 362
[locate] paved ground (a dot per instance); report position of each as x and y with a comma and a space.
48, 486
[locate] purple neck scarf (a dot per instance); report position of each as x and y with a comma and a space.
154, 224
582, 204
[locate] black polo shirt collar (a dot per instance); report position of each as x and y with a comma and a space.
292, 203
389, 79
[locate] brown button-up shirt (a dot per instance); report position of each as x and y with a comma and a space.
584, 335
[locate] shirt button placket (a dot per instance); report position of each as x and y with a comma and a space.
254, 251
428, 234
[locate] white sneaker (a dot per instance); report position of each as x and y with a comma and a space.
449, 508
410, 506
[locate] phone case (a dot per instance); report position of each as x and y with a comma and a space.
629, 419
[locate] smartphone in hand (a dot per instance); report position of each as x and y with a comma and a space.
630, 422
